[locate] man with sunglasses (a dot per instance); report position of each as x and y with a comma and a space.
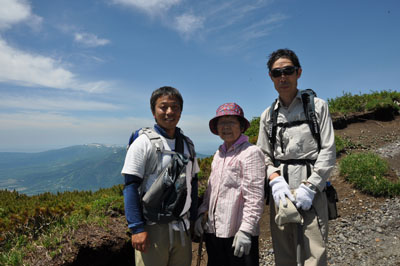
297, 167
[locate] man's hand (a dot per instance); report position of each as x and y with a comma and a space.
304, 197
140, 241
241, 244
280, 190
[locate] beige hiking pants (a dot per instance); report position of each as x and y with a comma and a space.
315, 235
160, 253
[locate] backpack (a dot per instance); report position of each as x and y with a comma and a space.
156, 141
307, 97
164, 201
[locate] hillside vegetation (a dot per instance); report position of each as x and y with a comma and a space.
29, 222
42, 220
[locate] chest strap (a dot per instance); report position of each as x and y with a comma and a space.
306, 162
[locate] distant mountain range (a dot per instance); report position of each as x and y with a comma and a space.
81, 167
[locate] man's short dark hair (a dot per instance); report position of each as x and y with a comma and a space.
283, 53
166, 90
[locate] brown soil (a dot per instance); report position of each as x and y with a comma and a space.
109, 244
90, 244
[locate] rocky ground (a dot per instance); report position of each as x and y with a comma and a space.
366, 233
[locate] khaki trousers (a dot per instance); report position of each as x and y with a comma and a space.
315, 235
159, 252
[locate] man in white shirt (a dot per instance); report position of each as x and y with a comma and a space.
160, 243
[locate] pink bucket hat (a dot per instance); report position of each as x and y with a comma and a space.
228, 109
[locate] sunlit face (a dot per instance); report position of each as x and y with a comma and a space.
228, 128
167, 113
286, 85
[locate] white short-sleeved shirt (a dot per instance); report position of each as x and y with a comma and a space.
138, 156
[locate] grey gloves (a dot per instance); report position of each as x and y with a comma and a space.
199, 225
241, 244
280, 190
304, 197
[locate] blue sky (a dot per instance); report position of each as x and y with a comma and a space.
77, 72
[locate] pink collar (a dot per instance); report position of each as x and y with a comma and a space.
240, 140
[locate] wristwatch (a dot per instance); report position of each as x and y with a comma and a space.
311, 186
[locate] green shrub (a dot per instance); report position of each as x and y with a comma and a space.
344, 145
252, 131
341, 144
373, 101
367, 172
204, 174
26, 221
346, 104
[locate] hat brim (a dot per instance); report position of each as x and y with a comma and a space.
213, 123
288, 214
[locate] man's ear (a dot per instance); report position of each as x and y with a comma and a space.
270, 76
299, 71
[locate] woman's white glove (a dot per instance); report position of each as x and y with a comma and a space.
241, 244
199, 226
304, 197
280, 190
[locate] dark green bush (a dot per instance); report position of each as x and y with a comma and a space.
367, 172
252, 131
373, 101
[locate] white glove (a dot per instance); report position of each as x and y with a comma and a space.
198, 226
304, 197
241, 244
280, 190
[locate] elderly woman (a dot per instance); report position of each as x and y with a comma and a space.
235, 193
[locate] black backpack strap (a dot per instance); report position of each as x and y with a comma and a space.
292, 124
307, 96
190, 145
306, 162
179, 146
273, 121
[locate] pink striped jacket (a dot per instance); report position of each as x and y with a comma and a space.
234, 197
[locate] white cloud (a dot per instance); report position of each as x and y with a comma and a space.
16, 11
149, 6
196, 127
225, 22
95, 86
232, 24
54, 104
188, 23
238, 25
262, 28
54, 130
25, 69
90, 39
57, 130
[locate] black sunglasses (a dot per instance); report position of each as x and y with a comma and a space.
287, 71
